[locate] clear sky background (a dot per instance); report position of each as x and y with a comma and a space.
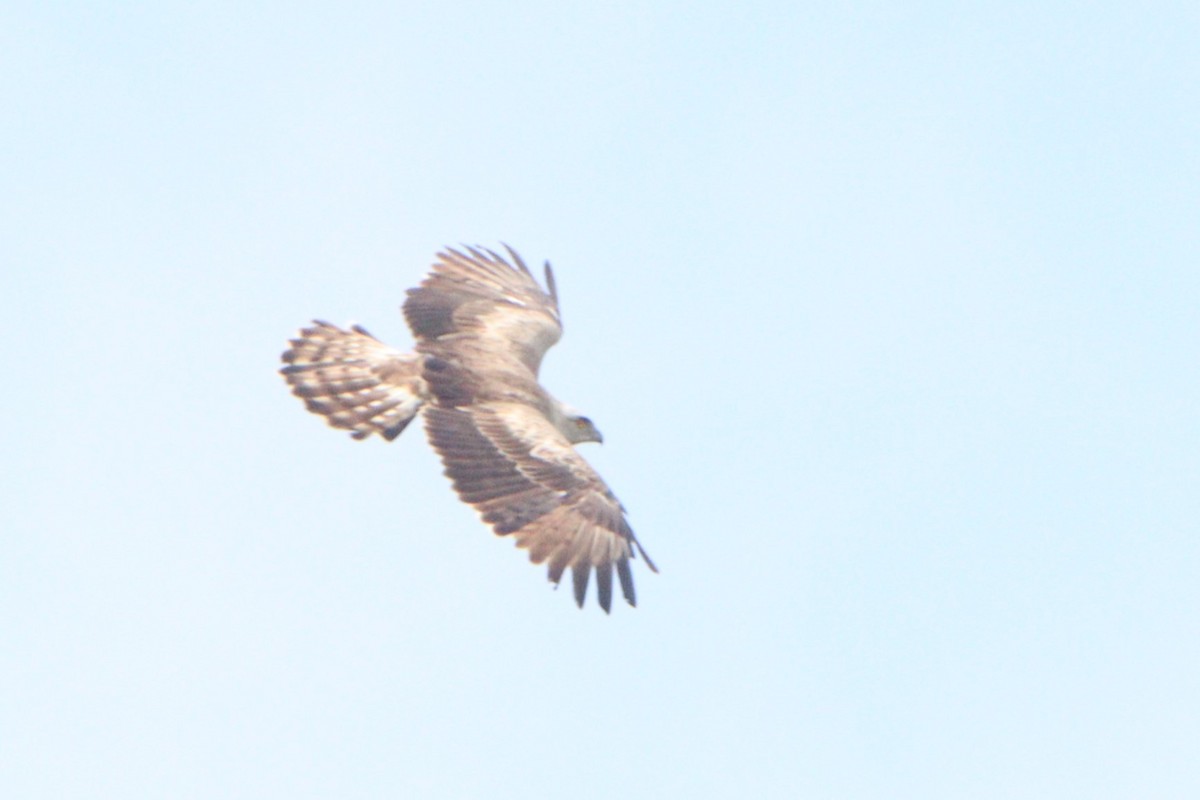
888, 313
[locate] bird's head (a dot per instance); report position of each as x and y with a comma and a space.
572, 424
581, 429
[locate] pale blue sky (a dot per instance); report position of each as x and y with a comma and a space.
888, 315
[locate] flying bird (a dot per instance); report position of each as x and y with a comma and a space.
482, 325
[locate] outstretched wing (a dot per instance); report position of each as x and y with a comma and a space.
484, 313
354, 380
524, 477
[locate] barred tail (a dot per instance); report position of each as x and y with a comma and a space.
355, 381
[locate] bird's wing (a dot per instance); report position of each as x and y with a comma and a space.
525, 479
478, 309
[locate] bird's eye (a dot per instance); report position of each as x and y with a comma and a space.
583, 422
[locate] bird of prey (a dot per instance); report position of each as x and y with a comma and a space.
482, 324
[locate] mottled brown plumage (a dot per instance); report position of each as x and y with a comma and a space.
354, 380
482, 325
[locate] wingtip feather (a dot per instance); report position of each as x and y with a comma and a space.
625, 575
604, 585
550, 285
516, 257
579, 577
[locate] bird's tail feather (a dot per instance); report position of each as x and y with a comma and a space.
355, 381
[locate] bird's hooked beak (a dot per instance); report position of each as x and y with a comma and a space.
585, 431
